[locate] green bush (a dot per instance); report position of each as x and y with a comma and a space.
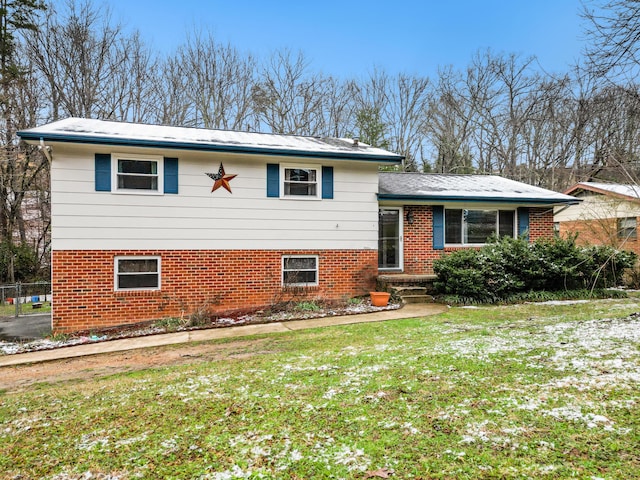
508, 267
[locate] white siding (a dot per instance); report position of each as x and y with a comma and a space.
196, 218
595, 207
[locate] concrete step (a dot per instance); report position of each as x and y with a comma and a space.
416, 298
410, 290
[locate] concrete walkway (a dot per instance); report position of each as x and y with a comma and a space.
414, 310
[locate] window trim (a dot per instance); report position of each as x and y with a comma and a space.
116, 273
497, 225
292, 166
301, 284
159, 159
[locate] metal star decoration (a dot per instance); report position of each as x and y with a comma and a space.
221, 179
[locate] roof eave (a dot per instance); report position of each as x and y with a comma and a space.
590, 188
465, 199
91, 140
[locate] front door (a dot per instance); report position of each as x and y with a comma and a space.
390, 239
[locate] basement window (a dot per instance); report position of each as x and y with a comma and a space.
137, 273
300, 271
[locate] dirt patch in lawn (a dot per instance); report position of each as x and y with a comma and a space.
19, 377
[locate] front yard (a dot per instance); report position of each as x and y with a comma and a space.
529, 391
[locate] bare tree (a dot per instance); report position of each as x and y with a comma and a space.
19, 166
84, 59
449, 125
613, 34
287, 98
214, 84
407, 116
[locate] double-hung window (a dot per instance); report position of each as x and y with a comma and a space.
300, 181
475, 227
137, 273
627, 228
141, 174
299, 271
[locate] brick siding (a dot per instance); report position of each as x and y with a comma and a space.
220, 281
418, 244
598, 232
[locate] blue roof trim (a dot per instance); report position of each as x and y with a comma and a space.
57, 137
462, 198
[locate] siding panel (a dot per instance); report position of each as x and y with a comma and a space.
197, 218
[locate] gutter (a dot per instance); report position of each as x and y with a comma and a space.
34, 136
462, 199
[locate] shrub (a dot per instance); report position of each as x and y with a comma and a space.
507, 267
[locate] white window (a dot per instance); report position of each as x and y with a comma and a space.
300, 270
300, 181
627, 228
139, 174
475, 227
137, 273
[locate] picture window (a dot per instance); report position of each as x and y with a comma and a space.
476, 227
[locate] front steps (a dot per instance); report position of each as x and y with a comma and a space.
409, 288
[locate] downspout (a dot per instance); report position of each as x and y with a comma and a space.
45, 149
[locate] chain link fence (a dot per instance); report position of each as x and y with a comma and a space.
21, 298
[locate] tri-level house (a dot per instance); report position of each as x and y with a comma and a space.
156, 221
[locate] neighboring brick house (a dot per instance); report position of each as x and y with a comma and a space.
423, 216
607, 215
153, 222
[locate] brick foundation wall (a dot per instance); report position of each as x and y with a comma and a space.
222, 281
418, 237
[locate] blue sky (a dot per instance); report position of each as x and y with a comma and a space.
350, 38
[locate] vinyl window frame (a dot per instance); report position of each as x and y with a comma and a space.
115, 173
117, 274
294, 166
300, 284
464, 225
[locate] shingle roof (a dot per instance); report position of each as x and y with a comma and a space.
81, 130
421, 187
631, 191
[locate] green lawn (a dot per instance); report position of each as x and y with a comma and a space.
530, 391
8, 310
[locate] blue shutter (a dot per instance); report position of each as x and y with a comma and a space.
103, 172
273, 180
327, 182
523, 223
438, 227
170, 175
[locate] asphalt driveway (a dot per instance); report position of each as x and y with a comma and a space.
25, 327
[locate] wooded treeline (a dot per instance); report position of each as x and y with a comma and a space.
502, 115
